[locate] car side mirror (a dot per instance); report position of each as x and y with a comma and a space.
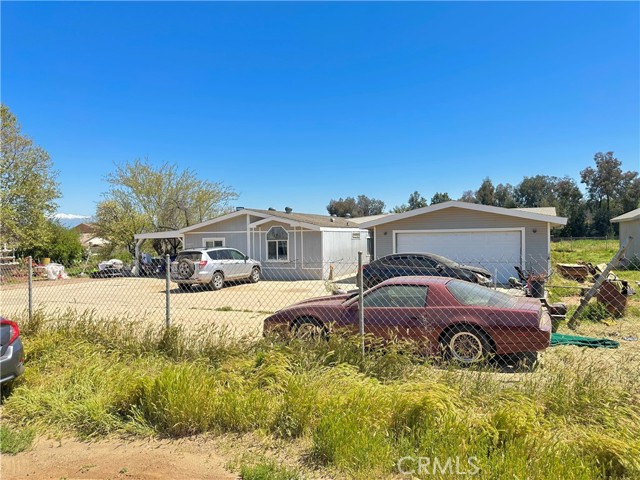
246, 257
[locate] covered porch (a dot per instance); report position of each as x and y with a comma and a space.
175, 238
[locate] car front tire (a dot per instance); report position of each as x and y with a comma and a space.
308, 328
255, 275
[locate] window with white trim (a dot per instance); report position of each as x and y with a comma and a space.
212, 242
277, 244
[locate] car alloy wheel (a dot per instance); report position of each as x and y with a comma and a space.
466, 347
217, 281
255, 275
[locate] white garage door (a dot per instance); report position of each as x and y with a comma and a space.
498, 252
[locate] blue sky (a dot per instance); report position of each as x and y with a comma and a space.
293, 104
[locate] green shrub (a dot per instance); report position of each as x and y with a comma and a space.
64, 246
180, 401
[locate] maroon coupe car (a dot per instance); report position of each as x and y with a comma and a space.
464, 321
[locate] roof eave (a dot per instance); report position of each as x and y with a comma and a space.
221, 218
622, 220
468, 206
158, 235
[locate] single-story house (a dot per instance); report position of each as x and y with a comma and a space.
494, 238
88, 238
290, 246
630, 227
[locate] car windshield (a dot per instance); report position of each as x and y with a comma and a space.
471, 294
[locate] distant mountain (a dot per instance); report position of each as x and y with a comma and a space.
70, 220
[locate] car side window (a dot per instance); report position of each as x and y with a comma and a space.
397, 296
397, 261
214, 254
236, 255
225, 255
425, 262
386, 261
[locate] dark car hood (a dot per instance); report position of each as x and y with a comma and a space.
479, 270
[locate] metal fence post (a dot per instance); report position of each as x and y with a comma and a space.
30, 281
361, 302
168, 291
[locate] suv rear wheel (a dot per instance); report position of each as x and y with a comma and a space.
217, 281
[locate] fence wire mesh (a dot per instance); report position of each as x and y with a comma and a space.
466, 309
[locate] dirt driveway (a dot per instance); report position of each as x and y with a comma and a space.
240, 307
114, 459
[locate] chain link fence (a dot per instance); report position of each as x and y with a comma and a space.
466, 309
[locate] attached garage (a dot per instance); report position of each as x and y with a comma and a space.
496, 250
490, 237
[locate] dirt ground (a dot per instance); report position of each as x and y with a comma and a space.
116, 459
239, 307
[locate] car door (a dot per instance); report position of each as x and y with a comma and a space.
394, 311
227, 263
425, 265
242, 268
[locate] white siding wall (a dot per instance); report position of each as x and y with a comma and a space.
233, 240
305, 253
632, 229
340, 249
233, 224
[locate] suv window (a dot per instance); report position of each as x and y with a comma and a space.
221, 254
236, 255
193, 256
397, 296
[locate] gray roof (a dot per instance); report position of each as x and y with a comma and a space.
369, 218
313, 219
541, 215
627, 217
541, 210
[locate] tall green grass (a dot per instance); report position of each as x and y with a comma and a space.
358, 416
15, 440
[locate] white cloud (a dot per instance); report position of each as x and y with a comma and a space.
69, 216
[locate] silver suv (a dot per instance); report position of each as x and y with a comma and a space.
211, 267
